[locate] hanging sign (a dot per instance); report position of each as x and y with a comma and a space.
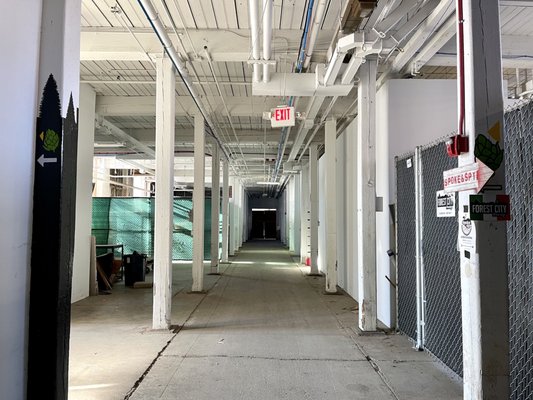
282, 116
490, 207
445, 204
473, 176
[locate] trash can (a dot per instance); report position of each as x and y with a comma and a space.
134, 268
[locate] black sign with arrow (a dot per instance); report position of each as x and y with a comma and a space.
54, 200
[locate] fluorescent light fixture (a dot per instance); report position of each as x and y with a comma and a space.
264, 209
267, 183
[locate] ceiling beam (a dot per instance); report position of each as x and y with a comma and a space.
185, 106
98, 44
517, 52
186, 135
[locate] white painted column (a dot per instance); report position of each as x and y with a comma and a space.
484, 281
165, 121
81, 276
297, 214
225, 210
305, 214
236, 210
215, 208
198, 201
351, 210
331, 201
313, 186
101, 177
240, 216
290, 213
231, 215
366, 196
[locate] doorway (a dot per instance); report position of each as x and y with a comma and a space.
263, 223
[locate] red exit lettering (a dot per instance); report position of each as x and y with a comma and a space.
282, 114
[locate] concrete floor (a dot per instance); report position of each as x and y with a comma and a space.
263, 331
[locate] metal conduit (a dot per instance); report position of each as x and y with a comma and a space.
267, 36
254, 28
319, 15
159, 30
285, 131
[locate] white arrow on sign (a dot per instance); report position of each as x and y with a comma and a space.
484, 173
467, 177
43, 160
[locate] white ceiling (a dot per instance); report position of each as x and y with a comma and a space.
118, 47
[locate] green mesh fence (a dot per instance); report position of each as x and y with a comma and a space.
130, 222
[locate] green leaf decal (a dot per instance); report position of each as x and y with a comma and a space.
489, 153
51, 140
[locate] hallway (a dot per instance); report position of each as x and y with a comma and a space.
266, 331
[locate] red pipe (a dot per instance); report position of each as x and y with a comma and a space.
461, 66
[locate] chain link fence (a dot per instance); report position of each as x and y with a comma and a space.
519, 182
406, 245
442, 275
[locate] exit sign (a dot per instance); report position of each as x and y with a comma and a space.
282, 116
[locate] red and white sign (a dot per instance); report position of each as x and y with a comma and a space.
282, 116
468, 177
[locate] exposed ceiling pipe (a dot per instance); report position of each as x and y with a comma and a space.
319, 15
267, 36
161, 33
254, 27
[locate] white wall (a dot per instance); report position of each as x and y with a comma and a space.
82, 240
410, 113
20, 23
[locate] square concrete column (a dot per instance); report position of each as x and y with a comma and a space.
164, 191
483, 244
215, 207
83, 278
313, 187
231, 218
366, 196
198, 205
351, 210
331, 201
305, 214
225, 210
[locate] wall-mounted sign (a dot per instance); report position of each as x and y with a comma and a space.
467, 234
445, 204
282, 116
490, 207
472, 176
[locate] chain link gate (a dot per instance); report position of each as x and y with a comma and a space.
406, 245
441, 261
519, 182
442, 274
